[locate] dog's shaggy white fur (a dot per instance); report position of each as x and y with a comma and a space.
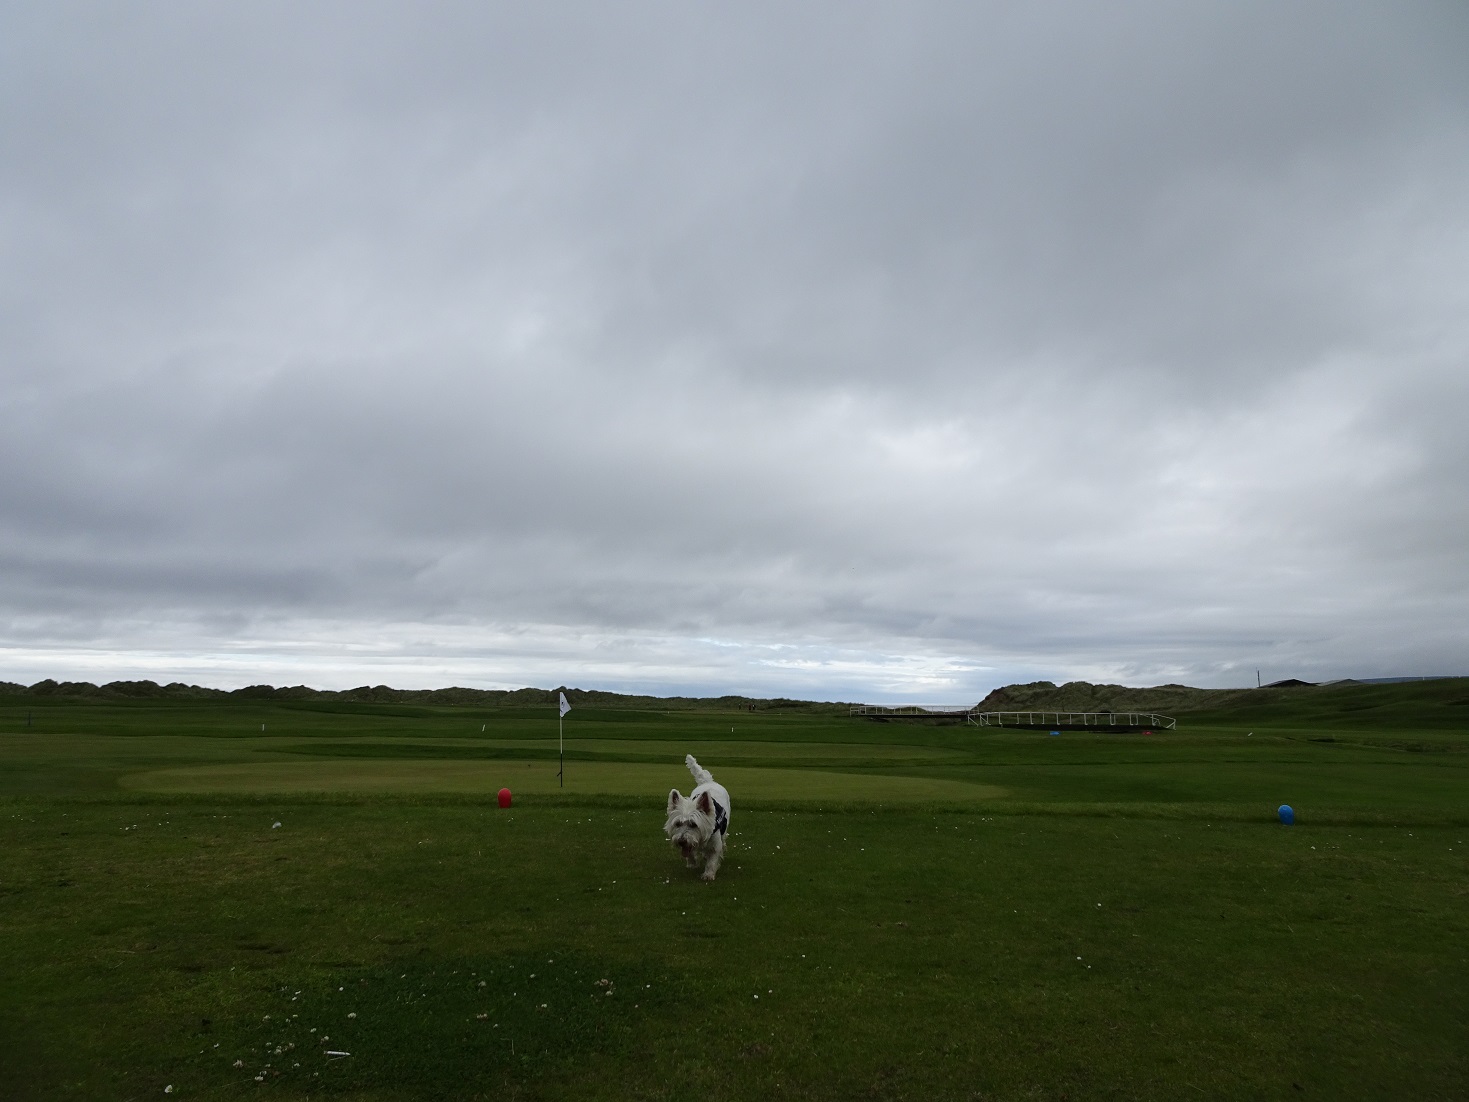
697, 823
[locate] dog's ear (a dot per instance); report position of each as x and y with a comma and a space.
704, 803
674, 799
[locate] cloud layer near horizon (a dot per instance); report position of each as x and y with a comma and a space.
865, 351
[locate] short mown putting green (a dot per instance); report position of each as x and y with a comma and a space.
583, 778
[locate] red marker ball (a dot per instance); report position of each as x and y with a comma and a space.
504, 797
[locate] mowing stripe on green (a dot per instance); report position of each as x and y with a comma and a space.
539, 777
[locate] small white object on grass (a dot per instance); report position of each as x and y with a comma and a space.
275, 825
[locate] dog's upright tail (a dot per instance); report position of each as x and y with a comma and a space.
701, 775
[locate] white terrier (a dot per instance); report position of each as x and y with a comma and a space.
699, 822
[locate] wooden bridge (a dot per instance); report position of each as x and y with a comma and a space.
1036, 720
1075, 721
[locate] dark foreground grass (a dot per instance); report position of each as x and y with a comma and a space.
1129, 923
915, 953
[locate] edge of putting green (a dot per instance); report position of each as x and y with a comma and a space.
588, 778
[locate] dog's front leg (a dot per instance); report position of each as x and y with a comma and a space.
716, 854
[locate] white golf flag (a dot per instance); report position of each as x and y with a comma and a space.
565, 707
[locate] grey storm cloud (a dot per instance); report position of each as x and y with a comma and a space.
851, 350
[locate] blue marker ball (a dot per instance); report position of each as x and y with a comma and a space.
1287, 814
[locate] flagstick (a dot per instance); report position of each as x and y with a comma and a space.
561, 710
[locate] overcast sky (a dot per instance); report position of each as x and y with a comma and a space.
840, 350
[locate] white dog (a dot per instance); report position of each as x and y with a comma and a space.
698, 824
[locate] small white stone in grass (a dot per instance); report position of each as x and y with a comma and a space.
353, 1014
238, 1064
168, 1089
274, 826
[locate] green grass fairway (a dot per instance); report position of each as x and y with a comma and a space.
583, 778
906, 912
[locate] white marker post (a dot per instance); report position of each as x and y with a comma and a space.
561, 733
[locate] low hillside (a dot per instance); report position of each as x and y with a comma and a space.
1083, 696
1440, 705
114, 691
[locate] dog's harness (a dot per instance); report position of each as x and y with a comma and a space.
721, 817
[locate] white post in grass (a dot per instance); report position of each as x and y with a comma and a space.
561, 735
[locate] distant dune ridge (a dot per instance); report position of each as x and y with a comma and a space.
1074, 696
1083, 696
384, 694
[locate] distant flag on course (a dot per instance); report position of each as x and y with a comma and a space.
565, 707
